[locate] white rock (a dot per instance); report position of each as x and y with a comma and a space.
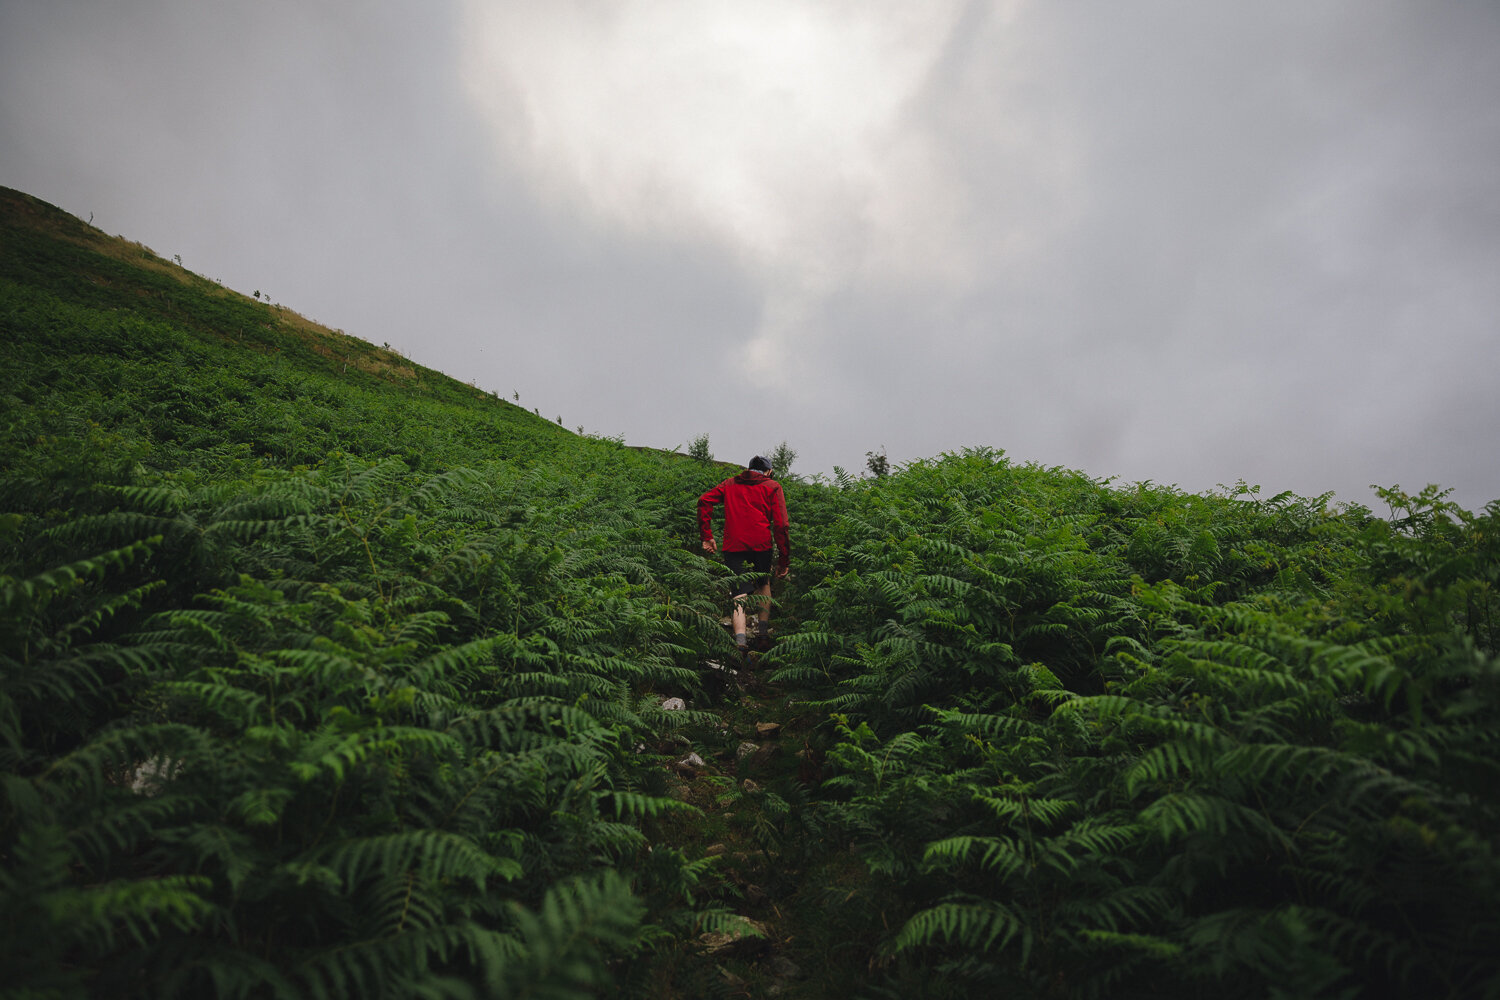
674, 704
149, 778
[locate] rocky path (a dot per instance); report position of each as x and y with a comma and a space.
749, 772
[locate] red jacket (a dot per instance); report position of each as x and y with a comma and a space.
754, 513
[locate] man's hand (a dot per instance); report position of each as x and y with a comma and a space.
709, 545
781, 572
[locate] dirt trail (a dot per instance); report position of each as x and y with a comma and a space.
749, 774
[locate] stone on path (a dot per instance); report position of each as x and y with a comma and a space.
743, 935
689, 766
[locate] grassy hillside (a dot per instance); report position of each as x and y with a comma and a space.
322, 674
100, 324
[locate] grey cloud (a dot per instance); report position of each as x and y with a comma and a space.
1203, 243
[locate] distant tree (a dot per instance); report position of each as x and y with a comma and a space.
877, 463
782, 456
699, 449
559, 420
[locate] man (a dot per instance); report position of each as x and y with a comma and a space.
754, 516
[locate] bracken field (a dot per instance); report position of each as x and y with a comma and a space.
325, 675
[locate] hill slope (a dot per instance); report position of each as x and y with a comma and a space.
199, 355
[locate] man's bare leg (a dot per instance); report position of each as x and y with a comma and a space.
737, 617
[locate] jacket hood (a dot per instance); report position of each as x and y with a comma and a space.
751, 477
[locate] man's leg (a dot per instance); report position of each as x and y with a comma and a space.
737, 617
761, 562
736, 563
763, 622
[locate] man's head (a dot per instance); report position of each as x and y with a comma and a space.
761, 464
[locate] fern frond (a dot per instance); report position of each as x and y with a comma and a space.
1129, 906
1145, 944
435, 853
986, 925
569, 939
140, 911
1001, 855
1168, 762
37, 590
1026, 808
1183, 814
632, 805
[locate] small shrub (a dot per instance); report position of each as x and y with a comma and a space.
782, 456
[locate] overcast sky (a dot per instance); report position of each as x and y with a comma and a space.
1191, 242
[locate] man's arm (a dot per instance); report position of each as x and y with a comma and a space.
779, 525
706, 516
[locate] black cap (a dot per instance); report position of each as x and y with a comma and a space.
760, 463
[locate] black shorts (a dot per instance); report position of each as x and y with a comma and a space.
759, 561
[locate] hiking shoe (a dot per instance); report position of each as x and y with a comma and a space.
762, 636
